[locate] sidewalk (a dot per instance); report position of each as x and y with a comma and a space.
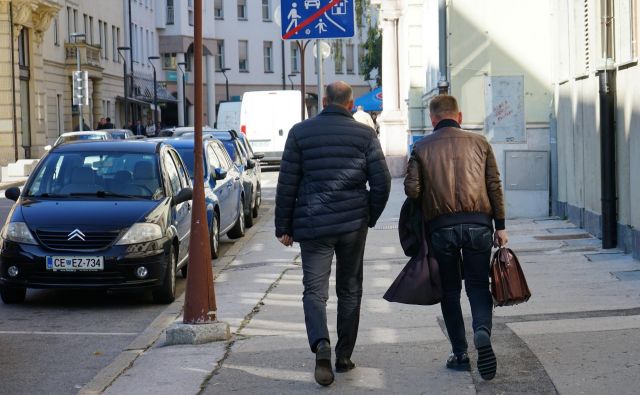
578, 333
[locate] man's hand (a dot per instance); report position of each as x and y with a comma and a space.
286, 240
500, 238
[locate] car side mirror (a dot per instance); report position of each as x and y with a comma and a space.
221, 174
184, 195
251, 163
12, 193
258, 155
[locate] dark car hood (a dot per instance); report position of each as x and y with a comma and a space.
94, 213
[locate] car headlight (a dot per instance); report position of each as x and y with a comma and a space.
18, 232
141, 232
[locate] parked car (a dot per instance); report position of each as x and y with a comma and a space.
75, 136
228, 116
179, 131
224, 195
99, 214
120, 134
248, 162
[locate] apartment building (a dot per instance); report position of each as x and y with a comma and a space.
596, 108
23, 77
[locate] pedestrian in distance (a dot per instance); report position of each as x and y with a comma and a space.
454, 174
139, 129
100, 125
323, 203
363, 117
107, 124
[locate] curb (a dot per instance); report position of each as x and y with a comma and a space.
145, 340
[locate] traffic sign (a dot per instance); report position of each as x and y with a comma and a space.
323, 19
80, 88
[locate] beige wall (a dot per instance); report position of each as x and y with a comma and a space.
500, 38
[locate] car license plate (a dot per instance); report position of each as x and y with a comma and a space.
75, 263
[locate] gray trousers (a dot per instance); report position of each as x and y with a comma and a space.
317, 256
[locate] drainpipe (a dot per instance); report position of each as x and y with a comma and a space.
608, 157
443, 84
13, 85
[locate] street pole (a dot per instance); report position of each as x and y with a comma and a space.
320, 74
200, 301
126, 90
290, 80
184, 92
226, 80
76, 36
155, 92
302, 46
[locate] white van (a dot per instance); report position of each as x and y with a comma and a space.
229, 116
266, 118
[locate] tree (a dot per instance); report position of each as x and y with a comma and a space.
372, 46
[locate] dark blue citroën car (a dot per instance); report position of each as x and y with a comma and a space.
102, 214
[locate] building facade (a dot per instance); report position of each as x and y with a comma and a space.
597, 47
503, 86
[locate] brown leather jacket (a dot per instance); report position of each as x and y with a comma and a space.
455, 174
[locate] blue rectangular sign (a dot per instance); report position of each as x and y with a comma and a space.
321, 19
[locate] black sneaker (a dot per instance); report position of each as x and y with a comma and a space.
459, 362
323, 372
344, 365
487, 363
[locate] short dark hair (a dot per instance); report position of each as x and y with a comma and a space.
108, 119
443, 105
339, 93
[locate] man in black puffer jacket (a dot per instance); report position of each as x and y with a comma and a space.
323, 203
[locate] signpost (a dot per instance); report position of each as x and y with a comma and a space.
315, 19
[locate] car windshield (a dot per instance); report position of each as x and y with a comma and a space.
188, 158
97, 174
118, 135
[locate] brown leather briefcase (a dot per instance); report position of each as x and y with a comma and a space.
508, 284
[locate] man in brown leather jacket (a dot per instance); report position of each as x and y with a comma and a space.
454, 174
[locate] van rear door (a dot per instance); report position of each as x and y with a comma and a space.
257, 119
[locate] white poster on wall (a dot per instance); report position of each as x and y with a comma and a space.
504, 108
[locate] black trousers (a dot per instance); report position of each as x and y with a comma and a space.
473, 244
317, 256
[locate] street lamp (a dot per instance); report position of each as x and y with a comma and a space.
226, 82
184, 91
155, 91
291, 75
77, 36
126, 90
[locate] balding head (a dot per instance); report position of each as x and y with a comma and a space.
339, 93
444, 107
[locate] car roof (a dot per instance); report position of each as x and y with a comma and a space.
84, 133
115, 130
142, 146
185, 142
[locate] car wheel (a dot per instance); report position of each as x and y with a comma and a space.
238, 229
258, 200
248, 213
166, 293
215, 237
12, 295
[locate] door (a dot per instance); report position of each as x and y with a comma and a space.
181, 212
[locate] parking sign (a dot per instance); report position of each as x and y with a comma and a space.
322, 19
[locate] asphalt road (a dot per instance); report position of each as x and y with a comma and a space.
59, 340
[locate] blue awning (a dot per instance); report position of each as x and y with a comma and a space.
371, 101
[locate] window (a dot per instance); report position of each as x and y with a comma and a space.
218, 9
242, 10
89, 38
214, 163
23, 48
105, 49
219, 55
243, 55
69, 24
295, 58
190, 11
56, 38
169, 61
170, 13
350, 58
626, 30
268, 56
134, 37
75, 21
101, 36
118, 40
85, 19
171, 172
266, 10
114, 45
607, 50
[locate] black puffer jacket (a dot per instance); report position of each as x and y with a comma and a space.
322, 187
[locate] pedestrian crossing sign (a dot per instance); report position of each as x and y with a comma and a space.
317, 19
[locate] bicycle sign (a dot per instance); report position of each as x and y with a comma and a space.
322, 19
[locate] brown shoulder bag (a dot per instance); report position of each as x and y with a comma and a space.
508, 284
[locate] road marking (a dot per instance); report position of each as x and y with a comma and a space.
68, 333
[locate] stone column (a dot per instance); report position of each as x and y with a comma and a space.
211, 90
394, 136
181, 92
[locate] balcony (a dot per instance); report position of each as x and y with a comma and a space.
89, 55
